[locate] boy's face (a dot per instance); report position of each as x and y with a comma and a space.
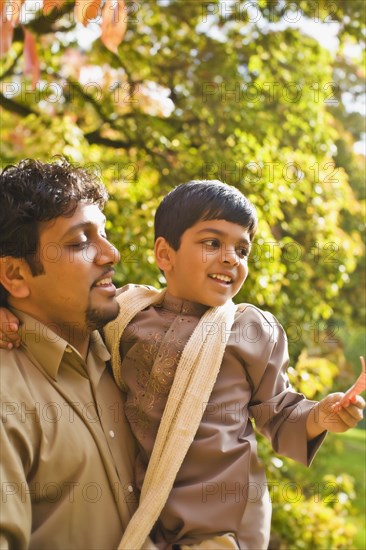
210, 265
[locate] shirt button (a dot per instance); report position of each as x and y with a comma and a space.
111, 433
68, 350
130, 489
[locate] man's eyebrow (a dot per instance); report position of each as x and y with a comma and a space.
82, 225
221, 234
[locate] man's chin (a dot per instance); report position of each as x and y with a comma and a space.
97, 318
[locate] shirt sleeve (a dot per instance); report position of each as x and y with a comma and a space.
15, 459
279, 412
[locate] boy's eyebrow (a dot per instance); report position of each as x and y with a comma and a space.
221, 233
81, 225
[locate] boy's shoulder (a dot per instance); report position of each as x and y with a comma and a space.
249, 315
250, 309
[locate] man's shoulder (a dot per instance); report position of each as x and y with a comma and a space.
11, 358
15, 369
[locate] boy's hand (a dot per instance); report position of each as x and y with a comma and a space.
9, 325
324, 417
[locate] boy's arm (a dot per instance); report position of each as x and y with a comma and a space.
323, 417
9, 326
295, 425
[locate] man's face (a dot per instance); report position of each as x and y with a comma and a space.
210, 265
75, 291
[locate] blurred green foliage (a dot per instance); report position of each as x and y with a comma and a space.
239, 92
321, 507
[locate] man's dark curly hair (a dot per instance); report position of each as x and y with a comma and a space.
32, 192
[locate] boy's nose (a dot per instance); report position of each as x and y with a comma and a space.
229, 256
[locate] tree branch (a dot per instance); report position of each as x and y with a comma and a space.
88, 98
10, 69
45, 24
95, 138
14, 107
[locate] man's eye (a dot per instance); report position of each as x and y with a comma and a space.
79, 245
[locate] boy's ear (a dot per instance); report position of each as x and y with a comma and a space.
163, 254
13, 276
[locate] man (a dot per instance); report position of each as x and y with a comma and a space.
66, 450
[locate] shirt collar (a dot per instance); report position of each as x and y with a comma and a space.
48, 348
98, 346
181, 306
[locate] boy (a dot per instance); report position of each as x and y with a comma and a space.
203, 234
219, 499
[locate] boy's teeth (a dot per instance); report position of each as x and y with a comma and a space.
104, 282
224, 278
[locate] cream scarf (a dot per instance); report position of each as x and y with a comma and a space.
196, 374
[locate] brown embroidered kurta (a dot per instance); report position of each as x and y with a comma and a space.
221, 486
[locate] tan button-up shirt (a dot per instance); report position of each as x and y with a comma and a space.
221, 486
67, 453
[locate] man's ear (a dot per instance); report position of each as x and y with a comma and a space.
164, 254
13, 276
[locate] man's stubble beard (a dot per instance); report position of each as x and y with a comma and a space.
96, 319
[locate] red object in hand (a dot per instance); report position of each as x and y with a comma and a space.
358, 387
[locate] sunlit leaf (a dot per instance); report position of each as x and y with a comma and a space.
114, 24
49, 5
86, 10
31, 59
6, 31
14, 11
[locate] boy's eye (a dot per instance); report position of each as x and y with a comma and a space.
242, 252
212, 243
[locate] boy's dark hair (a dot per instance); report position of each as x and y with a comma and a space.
200, 200
32, 192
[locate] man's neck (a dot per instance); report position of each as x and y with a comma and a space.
80, 340
70, 332
82, 346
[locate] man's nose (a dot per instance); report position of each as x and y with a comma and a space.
108, 253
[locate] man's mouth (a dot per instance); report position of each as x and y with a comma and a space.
220, 277
104, 282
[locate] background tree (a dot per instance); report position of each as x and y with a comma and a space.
230, 90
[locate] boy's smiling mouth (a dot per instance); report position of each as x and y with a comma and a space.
221, 277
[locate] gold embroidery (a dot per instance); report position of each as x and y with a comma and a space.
149, 368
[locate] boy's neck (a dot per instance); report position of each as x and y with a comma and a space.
182, 305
